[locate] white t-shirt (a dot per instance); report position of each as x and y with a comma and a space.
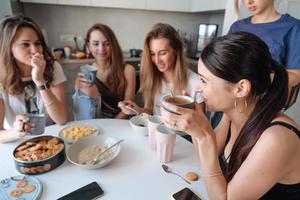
193, 81
15, 104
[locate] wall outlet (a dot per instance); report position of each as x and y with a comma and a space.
67, 38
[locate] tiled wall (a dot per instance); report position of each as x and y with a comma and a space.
130, 26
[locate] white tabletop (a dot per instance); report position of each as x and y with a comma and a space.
135, 173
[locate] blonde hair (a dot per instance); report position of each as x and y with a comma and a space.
151, 77
116, 78
10, 77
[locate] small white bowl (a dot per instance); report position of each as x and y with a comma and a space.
74, 150
72, 128
139, 124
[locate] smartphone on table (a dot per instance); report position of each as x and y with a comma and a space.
185, 194
88, 192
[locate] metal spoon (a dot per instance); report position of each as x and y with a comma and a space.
97, 159
168, 170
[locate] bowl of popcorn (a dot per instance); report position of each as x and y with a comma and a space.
82, 152
76, 132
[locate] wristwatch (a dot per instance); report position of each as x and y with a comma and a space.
44, 86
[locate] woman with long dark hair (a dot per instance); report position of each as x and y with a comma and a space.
260, 144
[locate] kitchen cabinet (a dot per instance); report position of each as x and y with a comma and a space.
40, 1
10, 7
131, 4
157, 5
200, 5
75, 2
169, 5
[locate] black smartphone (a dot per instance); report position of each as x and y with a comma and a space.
185, 194
88, 192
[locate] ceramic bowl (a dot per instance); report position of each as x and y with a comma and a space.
76, 149
74, 132
139, 124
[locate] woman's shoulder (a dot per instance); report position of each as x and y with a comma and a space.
282, 130
129, 69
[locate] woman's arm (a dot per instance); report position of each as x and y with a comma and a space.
130, 76
14, 133
55, 103
258, 173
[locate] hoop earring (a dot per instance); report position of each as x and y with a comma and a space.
244, 108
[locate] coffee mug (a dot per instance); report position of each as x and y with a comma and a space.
39, 120
89, 72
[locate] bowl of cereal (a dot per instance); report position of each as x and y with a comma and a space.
76, 132
83, 151
39, 155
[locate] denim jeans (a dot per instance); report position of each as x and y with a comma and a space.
85, 107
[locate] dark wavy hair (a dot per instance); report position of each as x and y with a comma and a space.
10, 72
239, 56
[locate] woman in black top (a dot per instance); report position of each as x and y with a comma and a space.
240, 78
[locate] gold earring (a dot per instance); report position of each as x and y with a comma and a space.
241, 110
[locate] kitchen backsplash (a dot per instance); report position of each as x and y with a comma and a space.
60, 22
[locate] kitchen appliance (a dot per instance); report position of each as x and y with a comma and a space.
135, 53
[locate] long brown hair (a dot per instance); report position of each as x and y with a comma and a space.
116, 78
10, 77
243, 55
151, 77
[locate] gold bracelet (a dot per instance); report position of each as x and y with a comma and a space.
218, 173
50, 103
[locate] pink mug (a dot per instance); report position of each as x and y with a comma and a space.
153, 122
165, 142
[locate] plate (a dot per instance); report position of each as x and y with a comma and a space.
76, 132
76, 149
30, 187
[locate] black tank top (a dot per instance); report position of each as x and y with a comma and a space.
278, 191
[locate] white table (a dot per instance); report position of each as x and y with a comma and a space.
136, 172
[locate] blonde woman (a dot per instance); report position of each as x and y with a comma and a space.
31, 82
163, 70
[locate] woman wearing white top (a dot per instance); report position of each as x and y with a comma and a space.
163, 70
31, 82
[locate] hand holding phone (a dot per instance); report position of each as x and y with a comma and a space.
88, 192
185, 194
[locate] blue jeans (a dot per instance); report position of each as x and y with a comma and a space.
85, 107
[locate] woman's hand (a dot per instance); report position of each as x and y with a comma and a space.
128, 107
83, 85
22, 124
38, 64
193, 122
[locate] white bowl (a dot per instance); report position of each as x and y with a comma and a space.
74, 150
78, 125
139, 124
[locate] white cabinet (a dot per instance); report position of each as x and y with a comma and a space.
40, 1
159, 5
75, 2
169, 5
209, 5
131, 4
